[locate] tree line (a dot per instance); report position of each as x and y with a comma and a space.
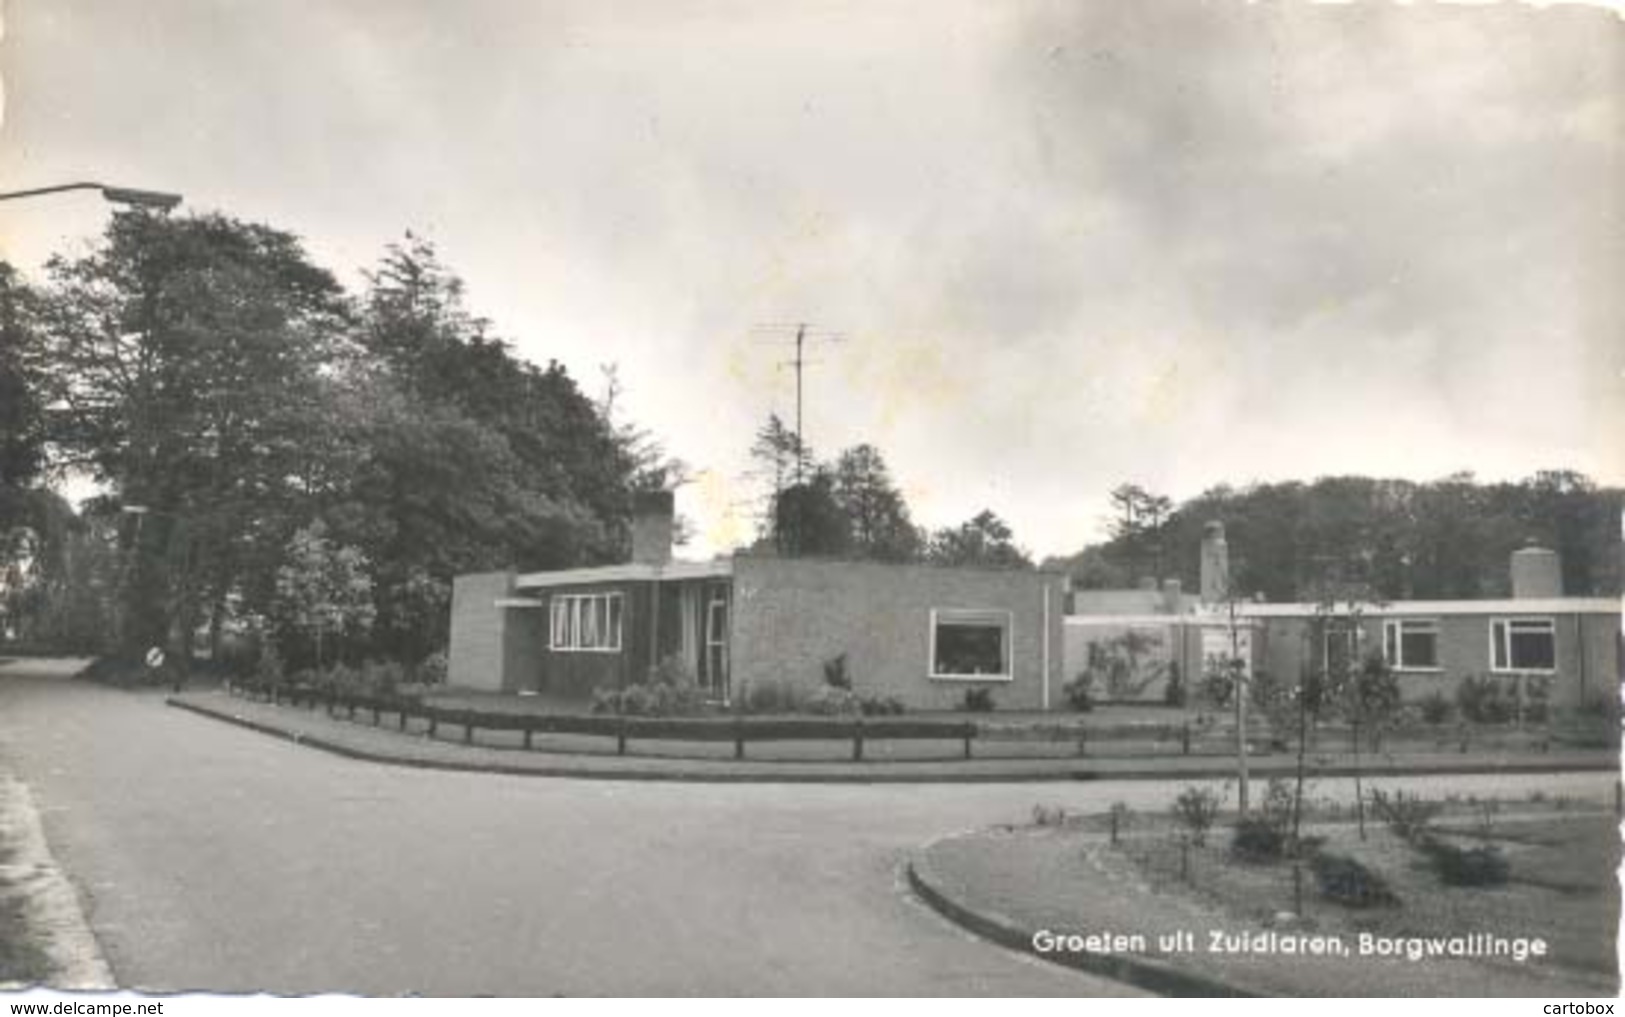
849, 507
271, 447
1395, 539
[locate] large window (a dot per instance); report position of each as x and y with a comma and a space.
970, 644
1523, 644
586, 622
1411, 644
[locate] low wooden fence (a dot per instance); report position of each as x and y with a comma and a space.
740, 730
976, 738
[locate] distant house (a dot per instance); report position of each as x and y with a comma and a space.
1537, 642
921, 633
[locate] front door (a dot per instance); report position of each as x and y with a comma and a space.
716, 646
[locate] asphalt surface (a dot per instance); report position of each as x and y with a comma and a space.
211, 857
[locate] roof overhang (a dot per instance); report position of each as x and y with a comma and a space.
634, 572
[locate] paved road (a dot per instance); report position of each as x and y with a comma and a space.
216, 858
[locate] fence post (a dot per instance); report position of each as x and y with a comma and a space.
620, 735
970, 732
857, 741
468, 731
739, 737
377, 714
528, 731
434, 722
403, 716
1185, 738
349, 704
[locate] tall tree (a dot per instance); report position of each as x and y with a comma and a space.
180, 350
984, 540
877, 517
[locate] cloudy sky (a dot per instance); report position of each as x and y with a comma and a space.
1068, 245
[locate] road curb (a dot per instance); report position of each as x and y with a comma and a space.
50, 899
668, 769
1163, 979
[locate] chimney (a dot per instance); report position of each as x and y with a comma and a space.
1172, 594
1536, 573
653, 515
1215, 564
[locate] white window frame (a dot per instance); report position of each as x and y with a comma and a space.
1005, 620
1393, 643
1501, 639
586, 622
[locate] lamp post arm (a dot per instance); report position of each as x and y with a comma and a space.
86, 186
118, 195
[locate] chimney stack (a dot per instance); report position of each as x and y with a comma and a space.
1215, 564
1536, 573
1172, 595
653, 522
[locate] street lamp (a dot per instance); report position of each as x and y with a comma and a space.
131, 196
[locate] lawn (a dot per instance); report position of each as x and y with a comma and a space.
1561, 886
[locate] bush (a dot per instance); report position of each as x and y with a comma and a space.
1407, 816
836, 674
880, 706
1079, 692
381, 677
1478, 866
1346, 881
431, 670
1196, 808
270, 669
651, 699
770, 697
1049, 816
1256, 839
977, 701
1265, 835
832, 701
1483, 700
1436, 709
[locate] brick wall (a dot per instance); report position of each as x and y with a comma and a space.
1588, 661
792, 615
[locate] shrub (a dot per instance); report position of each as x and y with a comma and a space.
1079, 692
270, 668
431, 670
1346, 881
835, 673
1481, 865
1537, 699
832, 701
771, 697
342, 678
1483, 700
1407, 816
1217, 685
1255, 839
1265, 835
1436, 709
978, 701
1196, 808
880, 706
381, 677
652, 699
1047, 816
